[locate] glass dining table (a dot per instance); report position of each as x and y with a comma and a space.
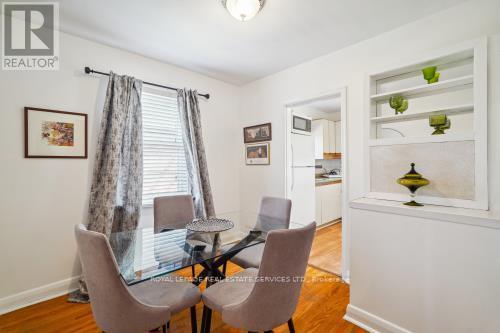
142, 254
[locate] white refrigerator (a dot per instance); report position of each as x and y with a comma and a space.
301, 182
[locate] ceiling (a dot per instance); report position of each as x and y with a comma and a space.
201, 36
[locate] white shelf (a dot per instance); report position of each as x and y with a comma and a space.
426, 139
426, 89
464, 93
424, 114
480, 218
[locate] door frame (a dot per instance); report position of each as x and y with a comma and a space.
342, 92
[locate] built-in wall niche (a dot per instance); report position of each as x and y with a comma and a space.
454, 162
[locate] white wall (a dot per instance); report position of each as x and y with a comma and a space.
424, 275
42, 199
262, 101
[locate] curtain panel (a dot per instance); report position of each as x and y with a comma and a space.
116, 190
196, 161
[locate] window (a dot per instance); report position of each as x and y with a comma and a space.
165, 171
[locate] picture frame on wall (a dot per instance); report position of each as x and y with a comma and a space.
54, 134
257, 133
258, 154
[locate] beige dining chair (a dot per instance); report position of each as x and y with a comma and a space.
128, 309
172, 212
274, 213
265, 298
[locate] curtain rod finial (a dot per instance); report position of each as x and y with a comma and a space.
88, 70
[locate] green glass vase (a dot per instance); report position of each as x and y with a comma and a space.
413, 181
398, 103
430, 74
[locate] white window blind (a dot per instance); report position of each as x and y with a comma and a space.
165, 171
162, 247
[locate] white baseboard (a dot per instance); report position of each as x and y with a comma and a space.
37, 295
346, 276
371, 322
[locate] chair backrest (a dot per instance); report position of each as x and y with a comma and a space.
173, 212
111, 302
274, 297
274, 214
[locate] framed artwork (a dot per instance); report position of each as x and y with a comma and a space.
258, 154
257, 133
54, 134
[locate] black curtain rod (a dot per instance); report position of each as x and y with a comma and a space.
89, 70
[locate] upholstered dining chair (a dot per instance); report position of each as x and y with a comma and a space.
128, 309
274, 214
172, 212
265, 298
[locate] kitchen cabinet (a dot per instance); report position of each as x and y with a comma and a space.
319, 218
331, 137
328, 203
327, 139
338, 137
319, 130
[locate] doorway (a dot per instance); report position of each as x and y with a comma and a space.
316, 175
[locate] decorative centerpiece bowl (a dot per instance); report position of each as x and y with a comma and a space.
398, 103
440, 122
430, 74
413, 181
209, 224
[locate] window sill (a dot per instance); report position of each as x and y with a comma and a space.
475, 217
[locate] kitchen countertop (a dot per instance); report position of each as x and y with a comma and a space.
327, 181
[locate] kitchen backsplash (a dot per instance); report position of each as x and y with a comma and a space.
328, 165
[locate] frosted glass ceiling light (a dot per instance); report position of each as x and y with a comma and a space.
243, 10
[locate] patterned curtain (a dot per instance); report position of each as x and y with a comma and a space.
116, 192
199, 182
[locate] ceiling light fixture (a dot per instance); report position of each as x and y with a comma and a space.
243, 10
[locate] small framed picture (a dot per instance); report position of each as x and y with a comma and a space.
258, 154
54, 134
257, 133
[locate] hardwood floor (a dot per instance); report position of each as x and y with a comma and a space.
321, 307
326, 253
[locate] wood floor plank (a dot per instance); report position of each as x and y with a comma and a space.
321, 307
326, 253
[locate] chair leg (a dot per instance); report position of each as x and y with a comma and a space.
203, 320
193, 271
164, 328
194, 324
209, 321
224, 268
290, 326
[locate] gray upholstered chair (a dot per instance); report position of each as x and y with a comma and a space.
274, 214
263, 299
172, 212
121, 308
